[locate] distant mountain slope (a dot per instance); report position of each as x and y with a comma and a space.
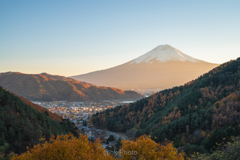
163, 67
196, 115
22, 125
45, 87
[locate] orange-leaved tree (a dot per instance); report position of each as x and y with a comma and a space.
146, 149
65, 147
72, 148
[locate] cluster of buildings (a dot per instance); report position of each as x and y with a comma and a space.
77, 111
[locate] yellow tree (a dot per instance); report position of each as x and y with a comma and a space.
72, 148
65, 147
146, 149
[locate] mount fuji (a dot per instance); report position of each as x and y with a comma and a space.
164, 53
163, 67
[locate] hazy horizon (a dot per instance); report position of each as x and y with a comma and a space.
76, 37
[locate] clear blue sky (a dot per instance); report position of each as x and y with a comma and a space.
78, 36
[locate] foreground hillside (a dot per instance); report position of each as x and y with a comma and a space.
195, 116
23, 124
45, 87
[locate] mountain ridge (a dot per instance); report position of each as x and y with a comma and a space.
46, 87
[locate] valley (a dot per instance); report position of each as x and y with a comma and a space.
119, 80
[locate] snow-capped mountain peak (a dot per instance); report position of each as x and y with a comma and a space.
163, 53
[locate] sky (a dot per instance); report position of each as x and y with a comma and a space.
79, 36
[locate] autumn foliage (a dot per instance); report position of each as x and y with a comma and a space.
65, 147
147, 149
72, 148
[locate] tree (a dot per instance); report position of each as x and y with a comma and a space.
65, 147
72, 148
145, 148
3, 151
230, 151
118, 144
85, 123
110, 138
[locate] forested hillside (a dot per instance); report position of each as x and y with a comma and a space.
22, 125
196, 115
